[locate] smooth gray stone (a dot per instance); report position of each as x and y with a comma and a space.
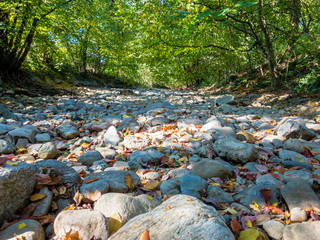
298, 193
6, 113
191, 184
219, 195
44, 204
159, 121
299, 231
209, 169
6, 147
90, 157
171, 186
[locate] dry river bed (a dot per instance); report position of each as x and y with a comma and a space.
159, 164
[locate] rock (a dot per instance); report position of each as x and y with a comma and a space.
274, 229
292, 129
290, 164
6, 147
298, 215
152, 175
90, 157
298, 193
111, 136
191, 184
209, 169
32, 231
219, 195
70, 176
296, 145
305, 230
88, 223
171, 186
252, 193
159, 121
303, 174
180, 217
244, 136
147, 202
140, 157
269, 178
43, 137
22, 133
222, 131
99, 126
291, 155
16, 182
6, 113
5, 128
67, 131
44, 204
137, 141
224, 100
234, 150
48, 151
109, 181
129, 123
187, 122
126, 206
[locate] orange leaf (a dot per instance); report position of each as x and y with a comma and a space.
235, 225
90, 180
129, 181
274, 209
167, 207
145, 235
37, 196
71, 235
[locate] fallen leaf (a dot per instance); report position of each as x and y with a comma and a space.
37, 196
149, 197
167, 207
62, 190
307, 153
274, 209
255, 206
71, 235
91, 180
129, 181
235, 225
287, 217
151, 186
78, 198
252, 234
266, 194
232, 211
115, 223
11, 163
248, 223
314, 216
21, 225
93, 196
262, 218
145, 235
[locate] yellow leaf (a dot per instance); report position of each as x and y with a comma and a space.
231, 211
255, 206
22, 225
62, 190
215, 184
190, 200
11, 163
115, 223
85, 145
252, 234
248, 223
150, 198
151, 186
145, 235
129, 181
37, 196
167, 207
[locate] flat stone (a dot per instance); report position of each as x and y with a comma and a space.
209, 169
67, 131
32, 231
187, 122
88, 223
159, 121
299, 231
45, 203
291, 155
22, 133
4, 128
191, 184
126, 206
180, 217
90, 157
137, 141
43, 137
235, 150
298, 215
16, 182
48, 151
129, 123
6, 147
274, 229
298, 193
171, 186
219, 194
292, 129
6, 113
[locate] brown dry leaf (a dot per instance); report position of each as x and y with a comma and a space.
44, 179
78, 198
145, 235
93, 196
115, 223
71, 235
151, 186
37, 196
54, 206
235, 225
90, 180
129, 181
